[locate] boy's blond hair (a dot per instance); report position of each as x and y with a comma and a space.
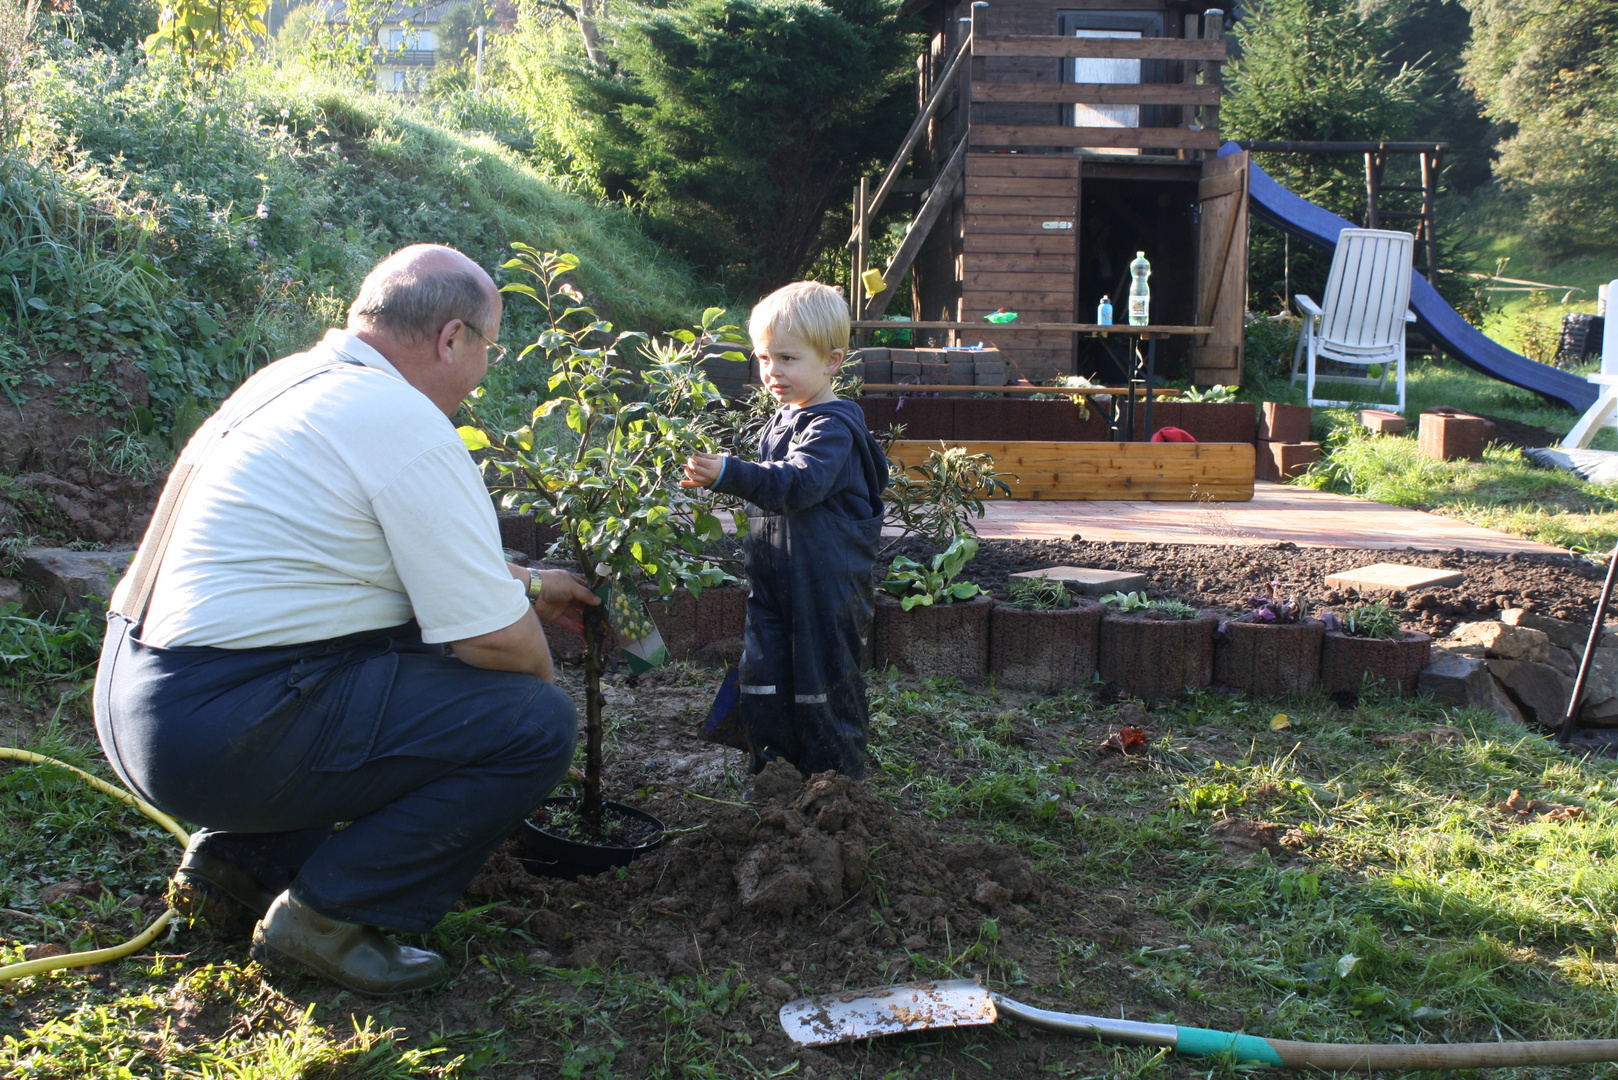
814, 312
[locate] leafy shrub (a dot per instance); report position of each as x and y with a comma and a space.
917, 585
939, 498
1218, 392
1038, 594
1269, 345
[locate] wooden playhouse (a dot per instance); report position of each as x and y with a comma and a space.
1053, 141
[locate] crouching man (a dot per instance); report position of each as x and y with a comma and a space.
320, 628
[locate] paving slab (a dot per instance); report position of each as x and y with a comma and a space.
1276, 513
1089, 580
1394, 577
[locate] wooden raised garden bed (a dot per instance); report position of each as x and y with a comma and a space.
1163, 472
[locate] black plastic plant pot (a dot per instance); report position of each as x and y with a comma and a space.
545, 854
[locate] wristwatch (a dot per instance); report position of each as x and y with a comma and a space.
536, 587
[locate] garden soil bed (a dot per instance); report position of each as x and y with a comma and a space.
1210, 575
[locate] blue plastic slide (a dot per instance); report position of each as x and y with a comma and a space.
1437, 320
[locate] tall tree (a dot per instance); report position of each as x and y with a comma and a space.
1314, 70
738, 124
1549, 68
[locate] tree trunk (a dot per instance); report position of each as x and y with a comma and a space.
595, 635
592, 37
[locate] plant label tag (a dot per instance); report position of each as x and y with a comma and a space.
638, 637
1058, 224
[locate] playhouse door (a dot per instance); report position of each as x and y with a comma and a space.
1221, 269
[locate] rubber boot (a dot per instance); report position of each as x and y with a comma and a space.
293, 935
228, 897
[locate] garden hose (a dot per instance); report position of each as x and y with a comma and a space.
117, 952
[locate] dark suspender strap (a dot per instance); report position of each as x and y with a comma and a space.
155, 544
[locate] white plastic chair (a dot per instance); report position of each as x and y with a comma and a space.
1604, 413
1362, 315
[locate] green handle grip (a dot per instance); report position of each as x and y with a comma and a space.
1206, 1042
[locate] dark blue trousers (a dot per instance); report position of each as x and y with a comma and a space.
428, 760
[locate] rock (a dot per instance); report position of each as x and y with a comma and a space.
1563, 661
42, 952
1457, 680
1498, 641
1563, 634
67, 580
542, 958
778, 989
1503, 706
1600, 707
13, 591
1539, 690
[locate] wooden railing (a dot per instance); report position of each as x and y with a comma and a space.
1200, 56
1202, 59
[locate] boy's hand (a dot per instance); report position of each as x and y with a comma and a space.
702, 470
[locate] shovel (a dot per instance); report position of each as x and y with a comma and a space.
928, 1006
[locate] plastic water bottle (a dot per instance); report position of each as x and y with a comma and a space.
1140, 293
1104, 312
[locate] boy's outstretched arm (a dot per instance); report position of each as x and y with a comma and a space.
808, 476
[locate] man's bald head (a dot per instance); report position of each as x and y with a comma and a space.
416, 290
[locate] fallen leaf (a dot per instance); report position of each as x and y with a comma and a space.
42, 952
1524, 809
1125, 740
1280, 720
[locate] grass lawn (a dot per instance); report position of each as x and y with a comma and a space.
1374, 891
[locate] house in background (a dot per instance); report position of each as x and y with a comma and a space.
407, 44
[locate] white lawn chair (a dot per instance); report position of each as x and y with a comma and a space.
1361, 318
1604, 413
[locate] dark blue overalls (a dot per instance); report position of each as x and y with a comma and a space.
815, 511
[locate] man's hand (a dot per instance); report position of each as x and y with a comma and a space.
702, 470
563, 597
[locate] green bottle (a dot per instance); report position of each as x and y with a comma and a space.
1140, 293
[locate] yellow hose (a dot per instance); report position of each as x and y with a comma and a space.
117, 952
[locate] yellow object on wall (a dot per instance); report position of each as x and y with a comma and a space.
872, 280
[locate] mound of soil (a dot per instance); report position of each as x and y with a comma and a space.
1210, 575
788, 879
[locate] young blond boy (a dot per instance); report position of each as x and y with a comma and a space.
815, 506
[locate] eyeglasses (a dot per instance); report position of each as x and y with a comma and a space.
499, 349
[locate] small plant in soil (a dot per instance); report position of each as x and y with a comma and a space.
1273, 607
1158, 609
922, 586
1375, 620
634, 409
1214, 393
1038, 594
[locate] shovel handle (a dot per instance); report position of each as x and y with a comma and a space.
1280, 1053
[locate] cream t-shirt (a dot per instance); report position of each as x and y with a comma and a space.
347, 504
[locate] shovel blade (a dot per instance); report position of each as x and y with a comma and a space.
862, 1014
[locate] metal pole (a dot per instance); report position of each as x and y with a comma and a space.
1151, 371
477, 67
1589, 651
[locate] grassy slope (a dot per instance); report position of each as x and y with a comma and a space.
341, 177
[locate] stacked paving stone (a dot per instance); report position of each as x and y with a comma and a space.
930, 367
1283, 449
